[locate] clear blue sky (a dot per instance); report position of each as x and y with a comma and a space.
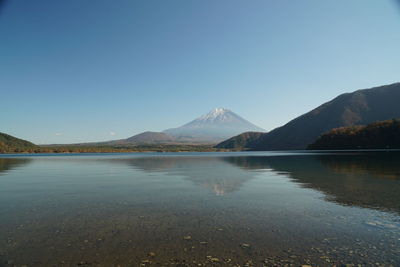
77, 70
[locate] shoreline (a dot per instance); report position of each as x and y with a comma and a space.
209, 150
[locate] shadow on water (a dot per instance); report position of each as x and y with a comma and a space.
369, 180
8, 164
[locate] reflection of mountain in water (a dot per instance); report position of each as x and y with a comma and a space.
362, 179
221, 177
11, 163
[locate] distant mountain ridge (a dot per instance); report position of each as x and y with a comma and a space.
144, 138
150, 136
358, 108
361, 107
210, 128
215, 126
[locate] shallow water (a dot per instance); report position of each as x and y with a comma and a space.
200, 209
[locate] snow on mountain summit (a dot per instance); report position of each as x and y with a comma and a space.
220, 113
218, 124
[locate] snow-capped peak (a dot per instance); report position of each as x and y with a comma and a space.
217, 112
217, 125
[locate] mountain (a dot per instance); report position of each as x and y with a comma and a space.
215, 126
377, 135
144, 138
150, 137
358, 108
241, 141
9, 144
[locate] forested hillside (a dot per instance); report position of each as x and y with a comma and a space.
377, 135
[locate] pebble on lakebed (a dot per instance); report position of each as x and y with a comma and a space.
245, 245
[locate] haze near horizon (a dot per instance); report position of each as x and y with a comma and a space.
86, 71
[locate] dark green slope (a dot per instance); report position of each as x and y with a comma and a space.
377, 135
358, 108
241, 141
10, 143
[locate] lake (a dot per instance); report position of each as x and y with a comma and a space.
200, 209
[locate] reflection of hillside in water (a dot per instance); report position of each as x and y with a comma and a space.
384, 165
221, 177
7, 164
361, 179
366, 179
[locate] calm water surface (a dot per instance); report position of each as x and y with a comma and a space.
200, 209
